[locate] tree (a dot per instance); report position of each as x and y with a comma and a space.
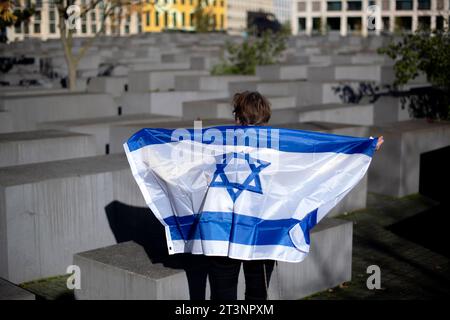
111, 11
12, 14
203, 17
243, 58
424, 52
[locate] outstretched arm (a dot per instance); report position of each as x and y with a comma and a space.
379, 143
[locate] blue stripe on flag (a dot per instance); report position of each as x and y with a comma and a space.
290, 140
238, 228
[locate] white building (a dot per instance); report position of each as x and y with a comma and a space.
237, 13
44, 23
353, 17
283, 10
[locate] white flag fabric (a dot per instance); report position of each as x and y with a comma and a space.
247, 192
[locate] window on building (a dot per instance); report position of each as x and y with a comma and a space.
317, 24
334, 5
174, 19
157, 18
139, 23
403, 23
191, 19
354, 23
221, 22
127, 23
354, 5
183, 19
316, 5
439, 23
147, 18
386, 23
37, 28
83, 24
424, 4
52, 21
26, 28
440, 4
334, 23
403, 5
93, 22
18, 28
385, 4
166, 19
424, 23
301, 6
301, 24
37, 22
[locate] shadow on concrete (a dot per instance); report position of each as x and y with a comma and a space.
129, 223
428, 228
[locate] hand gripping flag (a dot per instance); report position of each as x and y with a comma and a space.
245, 192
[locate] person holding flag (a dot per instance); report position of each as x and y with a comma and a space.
247, 194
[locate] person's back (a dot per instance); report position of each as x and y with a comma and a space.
249, 108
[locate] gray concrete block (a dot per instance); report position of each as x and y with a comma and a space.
124, 271
267, 88
158, 66
282, 72
395, 169
5, 122
222, 108
362, 114
162, 80
114, 86
362, 72
203, 62
121, 133
29, 110
45, 145
164, 103
208, 83
51, 210
9, 291
329, 262
99, 128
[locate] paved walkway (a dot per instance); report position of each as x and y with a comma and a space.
408, 270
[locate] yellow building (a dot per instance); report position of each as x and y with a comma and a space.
158, 15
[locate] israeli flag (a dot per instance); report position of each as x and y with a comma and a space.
246, 192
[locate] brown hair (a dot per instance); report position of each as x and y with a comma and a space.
251, 108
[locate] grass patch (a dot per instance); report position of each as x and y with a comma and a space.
52, 288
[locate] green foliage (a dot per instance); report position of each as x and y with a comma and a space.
428, 53
243, 58
12, 15
421, 52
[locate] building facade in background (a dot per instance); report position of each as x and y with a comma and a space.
283, 10
237, 13
354, 17
152, 16
159, 15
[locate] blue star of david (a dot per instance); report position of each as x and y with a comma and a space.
220, 179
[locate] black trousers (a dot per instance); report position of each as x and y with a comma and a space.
224, 274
